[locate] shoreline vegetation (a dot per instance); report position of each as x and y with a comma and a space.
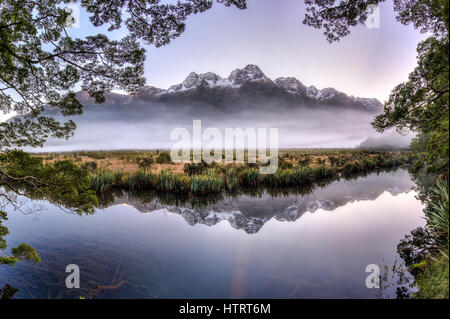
424, 250
141, 170
34, 74
145, 171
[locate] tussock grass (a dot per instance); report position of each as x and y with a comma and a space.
174, 182
437, 215
154, 170
206, 184
102, 180
140, 180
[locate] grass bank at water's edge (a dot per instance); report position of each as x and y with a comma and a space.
203, 178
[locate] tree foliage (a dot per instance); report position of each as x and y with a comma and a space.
7, 292
336, 17
63, 183
420, 104
41, 64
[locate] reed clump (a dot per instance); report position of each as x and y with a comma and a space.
206, 184
173, 182
212, 178
140, 180
102, 180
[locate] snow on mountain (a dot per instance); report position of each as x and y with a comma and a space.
252, 74
371, 104
244, 88
251, 213
291, 85
235, 79
312, 91
150, 91
326, 94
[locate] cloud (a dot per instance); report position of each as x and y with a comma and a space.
143, 125
388, 140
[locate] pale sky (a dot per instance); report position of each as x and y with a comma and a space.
270, 34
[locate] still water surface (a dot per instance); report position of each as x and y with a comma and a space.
288, 246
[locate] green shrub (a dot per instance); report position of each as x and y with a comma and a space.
90, 166
199, 168
334, 161
145, 162
163, 158
305, 161
283, 164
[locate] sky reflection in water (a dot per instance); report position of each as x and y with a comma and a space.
313, 246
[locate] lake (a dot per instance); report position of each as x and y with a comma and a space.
261, 245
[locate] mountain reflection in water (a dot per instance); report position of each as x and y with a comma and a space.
273, 243
251, 211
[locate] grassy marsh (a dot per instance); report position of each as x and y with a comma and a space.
153, 169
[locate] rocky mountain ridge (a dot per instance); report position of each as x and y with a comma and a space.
251, 82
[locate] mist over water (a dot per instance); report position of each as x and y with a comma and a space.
139, 124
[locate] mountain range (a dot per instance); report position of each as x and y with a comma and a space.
306, 117
246, 87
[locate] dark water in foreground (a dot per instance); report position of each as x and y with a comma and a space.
311, 246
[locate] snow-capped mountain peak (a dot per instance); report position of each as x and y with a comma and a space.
290, 84
251, 81
371, 104
248, 73
235, 79
312, 91
192, 80
326, 94
207, 79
